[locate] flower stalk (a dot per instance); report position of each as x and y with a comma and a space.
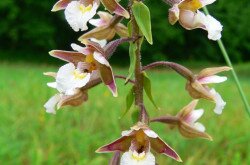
143, 117
229, 63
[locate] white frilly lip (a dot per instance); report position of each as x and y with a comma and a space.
66, 81
77, 18
50, 105
219, 102
132, 158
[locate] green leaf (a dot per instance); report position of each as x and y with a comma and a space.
148, 89
129, 100
142, 17
132, 55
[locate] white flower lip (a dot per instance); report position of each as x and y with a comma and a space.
69, 79
50, 105
78, 15
220, 103
134, 158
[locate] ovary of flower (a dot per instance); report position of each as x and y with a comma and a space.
78, 15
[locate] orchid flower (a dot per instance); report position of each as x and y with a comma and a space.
78, 13
186, 121
188, 15
197, 87
74, 98
105, 29
91, 59
136, 145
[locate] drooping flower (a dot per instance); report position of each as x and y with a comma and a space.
78, 13
137, 144
197, 87
105, 28
188, 14
186, 121
90, 59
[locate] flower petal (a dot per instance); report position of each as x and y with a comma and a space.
161, 147
220, 103
102, 43
69, 79
122, 144
106, 73
150, 133
101, 59
212, 79
73, 57
74, 100
77, 15
206, 2
114, 7
213, 27
200, 127
191, 20
60, 5
51, 104
187, 109
193, 131
173, 15
52, 85
198, 91
212, 71
51, 74
127, 133
193, 116
121, 30
105, 18
83, 50
100, 33
128, 159
191, 5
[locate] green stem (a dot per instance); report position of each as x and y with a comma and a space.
143, 115
229, 63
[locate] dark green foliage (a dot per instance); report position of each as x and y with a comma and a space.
29, 25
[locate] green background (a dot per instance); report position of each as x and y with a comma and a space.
29, 136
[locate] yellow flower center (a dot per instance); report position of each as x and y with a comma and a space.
89, 58
79, 75
84, 9
192, 5
137, 156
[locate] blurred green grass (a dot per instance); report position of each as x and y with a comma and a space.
30, 136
